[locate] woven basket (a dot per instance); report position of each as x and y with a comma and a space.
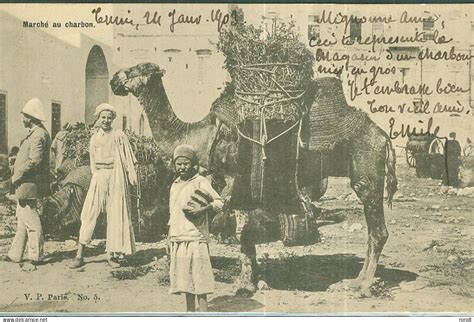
272, 91
331, 119
295, 232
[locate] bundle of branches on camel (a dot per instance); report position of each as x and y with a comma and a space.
270, 74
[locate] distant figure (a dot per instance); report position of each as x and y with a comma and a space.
191, 198
467, 151
11, 164
452, 153
58, 146
31, 181
112, 165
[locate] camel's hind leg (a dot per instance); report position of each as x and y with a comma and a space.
248, 258
370, 193
367, 174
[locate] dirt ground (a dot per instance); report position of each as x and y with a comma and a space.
427, 264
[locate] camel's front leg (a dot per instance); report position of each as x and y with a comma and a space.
248, 260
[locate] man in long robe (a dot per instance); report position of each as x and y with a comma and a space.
113, 171
58, 146
453, 152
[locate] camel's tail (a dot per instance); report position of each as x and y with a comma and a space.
391, 176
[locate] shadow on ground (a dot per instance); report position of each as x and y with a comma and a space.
233, 303
146, 256
142, 257
59, 256
226, 269
316, 273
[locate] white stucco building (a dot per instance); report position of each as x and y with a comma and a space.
69, 77
69, 69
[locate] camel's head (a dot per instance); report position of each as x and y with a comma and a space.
134, 79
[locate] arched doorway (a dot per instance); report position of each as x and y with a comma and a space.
97, 82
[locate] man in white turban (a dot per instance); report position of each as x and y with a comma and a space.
113, 171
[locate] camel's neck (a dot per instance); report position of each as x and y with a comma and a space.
168, 130
158, 108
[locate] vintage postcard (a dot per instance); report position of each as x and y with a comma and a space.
240, 158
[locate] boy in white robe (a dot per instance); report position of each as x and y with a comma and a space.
191, 198
113, 171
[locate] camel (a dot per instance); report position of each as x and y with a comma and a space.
144, 81
367, 158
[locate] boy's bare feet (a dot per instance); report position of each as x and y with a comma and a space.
28, 266
76, 263
5, 258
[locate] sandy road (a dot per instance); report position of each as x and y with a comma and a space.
427, 265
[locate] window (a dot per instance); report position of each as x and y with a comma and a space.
3, 124
404, 72
377, 28
428, 23
355, 29
203, 55
171, 52
417, 103
55, 119
270, 22
314, 31
428, 28
204, 52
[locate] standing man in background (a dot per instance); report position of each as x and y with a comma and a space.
468, 148
58, 145
31, 182
453, 152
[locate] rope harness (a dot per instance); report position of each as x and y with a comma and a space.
264, 139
